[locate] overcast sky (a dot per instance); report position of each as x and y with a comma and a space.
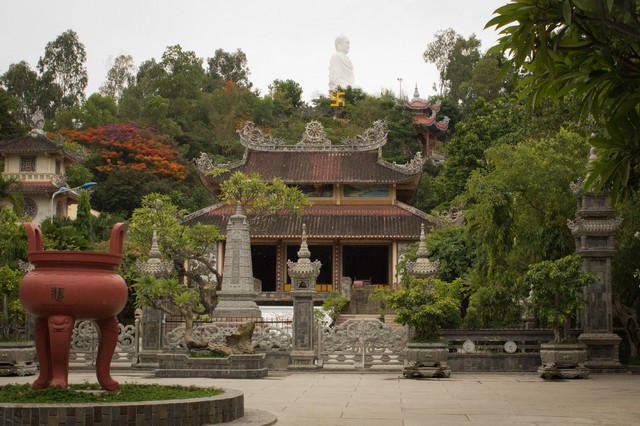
284, 39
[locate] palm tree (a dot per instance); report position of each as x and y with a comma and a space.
8, 194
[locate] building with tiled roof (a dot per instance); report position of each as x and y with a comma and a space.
38, 165
424, 115
360, 221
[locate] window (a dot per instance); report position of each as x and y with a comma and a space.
317, 191
30, 208
58, 167
28, 163
366, 191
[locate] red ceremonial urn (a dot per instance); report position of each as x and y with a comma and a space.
66, 286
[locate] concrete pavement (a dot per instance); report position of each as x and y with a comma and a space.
386, 399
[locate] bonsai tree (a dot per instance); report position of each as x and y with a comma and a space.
12, 250
556, 287
427, 305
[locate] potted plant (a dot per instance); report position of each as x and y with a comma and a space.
425, 305
556, 289
17, 355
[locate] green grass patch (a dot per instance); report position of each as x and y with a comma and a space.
91, 393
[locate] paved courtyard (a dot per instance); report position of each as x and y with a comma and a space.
386, 399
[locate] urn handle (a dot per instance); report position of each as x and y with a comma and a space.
34, 237
117, 238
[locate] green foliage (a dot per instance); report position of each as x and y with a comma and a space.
12, 250
9, 123
494, 306
427, 305
61, 234
166, 294
380, 295
450, 246
229, 66
266, 201
586, 47
63, 64
556, 288
83, 222
12, 313
14, 239
76, 394
333, 305
121, 75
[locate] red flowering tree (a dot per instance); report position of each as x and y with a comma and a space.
126, 146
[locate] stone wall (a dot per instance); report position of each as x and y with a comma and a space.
198, 411
499, 363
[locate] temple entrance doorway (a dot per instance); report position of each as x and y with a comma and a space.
369, 263
264, 265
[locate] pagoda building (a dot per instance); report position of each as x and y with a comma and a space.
360, 220
37, 163
424, 115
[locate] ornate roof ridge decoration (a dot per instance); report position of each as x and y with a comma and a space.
582, 226
414, 166
203, 211
205, 164
420, 213
314, 139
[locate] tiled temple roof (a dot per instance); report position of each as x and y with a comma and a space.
34, 143
322, 167
327, 221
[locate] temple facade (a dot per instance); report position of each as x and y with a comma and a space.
359, 224
38, 164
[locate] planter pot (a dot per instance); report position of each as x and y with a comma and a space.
66, 286
17, 358
426, 360
563, 360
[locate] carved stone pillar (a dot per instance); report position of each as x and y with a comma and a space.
238, 294
594, 229
303, 275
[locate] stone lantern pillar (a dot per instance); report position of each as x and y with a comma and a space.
149, 321
303, 275
594, 230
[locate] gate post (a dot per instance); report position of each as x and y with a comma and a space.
303, 275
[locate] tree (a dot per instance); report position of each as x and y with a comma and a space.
515, 213
438, 52
121, 75
8, 195
229, 66
98, 110
125, 146
556, 289
462, 61
9, 123
454, 58
83, 222
265, 201
587, 47
287, 95
22, 83
63, 63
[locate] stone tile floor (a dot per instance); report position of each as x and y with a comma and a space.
387, 399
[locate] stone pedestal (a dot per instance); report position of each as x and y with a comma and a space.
151, 338
238, 295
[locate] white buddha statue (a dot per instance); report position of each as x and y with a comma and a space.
340, 67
